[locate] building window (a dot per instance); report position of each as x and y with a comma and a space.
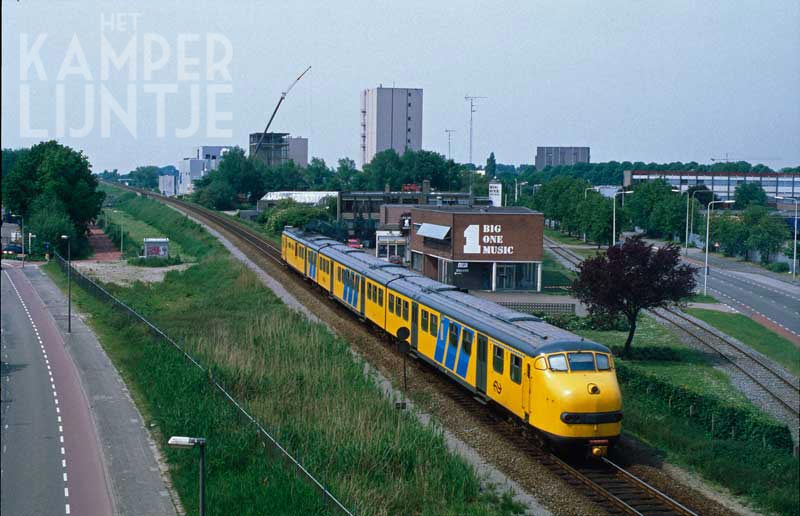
516, 368
424, 321
391, 303
434, 326
416, 262
497, 363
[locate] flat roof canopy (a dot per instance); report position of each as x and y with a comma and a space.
433, 231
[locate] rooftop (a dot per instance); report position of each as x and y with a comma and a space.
501, 210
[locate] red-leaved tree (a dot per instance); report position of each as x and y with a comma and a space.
632, 277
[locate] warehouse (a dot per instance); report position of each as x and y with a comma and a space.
478, 248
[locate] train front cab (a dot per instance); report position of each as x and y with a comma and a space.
576, 400
294, 253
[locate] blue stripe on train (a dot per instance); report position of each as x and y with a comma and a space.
355, 295
452, 348
463, 358
440, 340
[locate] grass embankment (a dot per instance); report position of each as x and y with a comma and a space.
765, 477
295, 377
561, 238
701, 298
556, 279
754, 335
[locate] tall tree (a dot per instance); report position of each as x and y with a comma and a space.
768, 236
632, 277
491, 166
747, 194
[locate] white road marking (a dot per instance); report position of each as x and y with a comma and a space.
66, 509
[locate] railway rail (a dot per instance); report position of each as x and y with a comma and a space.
775, 383
605, 483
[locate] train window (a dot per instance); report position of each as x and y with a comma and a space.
398, 307
391, 303
516, 368
369, 291
380, 297
581, 361
497, 363
434, 326
424, 320
558, 362
602, 362
540, 364
466, 341
452, 338
405, 310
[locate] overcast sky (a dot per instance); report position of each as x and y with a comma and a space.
647, 80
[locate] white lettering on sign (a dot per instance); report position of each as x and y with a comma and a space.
485, 239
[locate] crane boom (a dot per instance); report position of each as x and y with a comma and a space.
275, 111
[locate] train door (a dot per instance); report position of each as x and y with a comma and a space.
312, 265
480, 372
414, 324
452, 345
526, 390
363, 287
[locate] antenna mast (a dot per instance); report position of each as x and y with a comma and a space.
471, 100
449, 135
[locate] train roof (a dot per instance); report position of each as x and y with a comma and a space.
526, 333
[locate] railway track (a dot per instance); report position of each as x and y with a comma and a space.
604, 482
775, 383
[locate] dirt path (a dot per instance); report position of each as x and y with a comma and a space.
103, 247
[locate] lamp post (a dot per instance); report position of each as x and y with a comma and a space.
30, 246
21, 235
585, 196
708, 234
191, 442
691, 212
614, 215
794, 241
688, 197
69, 283
517, 186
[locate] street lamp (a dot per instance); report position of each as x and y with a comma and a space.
585, 194
708, 231
794, 247
21, 235
517, 186
191, 442
688, 198
614, 214
69, 283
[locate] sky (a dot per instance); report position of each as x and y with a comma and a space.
648, 81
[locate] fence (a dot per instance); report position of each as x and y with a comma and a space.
101, 293
542, 308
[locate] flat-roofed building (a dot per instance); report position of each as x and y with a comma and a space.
474, 248
555, 156
311, 198
391, 118
166, 185
722, 183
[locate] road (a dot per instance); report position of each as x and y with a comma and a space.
51, 458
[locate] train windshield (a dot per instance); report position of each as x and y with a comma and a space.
581, 361
557, 362
603, 364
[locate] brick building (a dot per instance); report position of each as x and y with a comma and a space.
478, 248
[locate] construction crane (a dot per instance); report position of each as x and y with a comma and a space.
280, 101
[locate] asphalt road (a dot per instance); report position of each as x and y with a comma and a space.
51, 459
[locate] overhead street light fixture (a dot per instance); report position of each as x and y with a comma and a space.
614, 214
194, 442
708, 231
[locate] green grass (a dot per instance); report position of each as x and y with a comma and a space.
753, 334
701, 298
562, 238
765, 477
136, 231
555, 277
296, 378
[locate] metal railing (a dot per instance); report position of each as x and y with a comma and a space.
101, 293
541, 308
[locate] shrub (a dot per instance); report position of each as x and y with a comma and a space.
778, 267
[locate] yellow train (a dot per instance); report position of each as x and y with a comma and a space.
560, 384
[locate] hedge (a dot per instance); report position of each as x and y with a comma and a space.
721, 419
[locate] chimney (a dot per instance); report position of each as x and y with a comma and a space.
386, 188
426, 186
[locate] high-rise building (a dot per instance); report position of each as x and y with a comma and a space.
391, 118
278, 148
555, 156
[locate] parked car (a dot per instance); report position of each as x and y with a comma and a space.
396, 259
354, 243
12, 249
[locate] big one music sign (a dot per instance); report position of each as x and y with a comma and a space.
485, 239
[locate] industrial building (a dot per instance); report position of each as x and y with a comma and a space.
166, 185
391, 118
722, 183
555, 156
206, 159
310, 198
478, 248
279, 148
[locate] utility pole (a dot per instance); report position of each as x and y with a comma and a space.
471, 100
449, 136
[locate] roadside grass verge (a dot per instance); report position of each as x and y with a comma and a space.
701, 298
556, 279
753, 334
301, 382
562, 238
762, 476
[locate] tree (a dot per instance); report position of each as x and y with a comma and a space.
747, 194
732, 234
595, 213
768, 236
145, 177
632, 277
491, 166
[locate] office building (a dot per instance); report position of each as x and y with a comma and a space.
278, 148
206, 158
555, 156
722, 183
166, 185
391, 118
486, 248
